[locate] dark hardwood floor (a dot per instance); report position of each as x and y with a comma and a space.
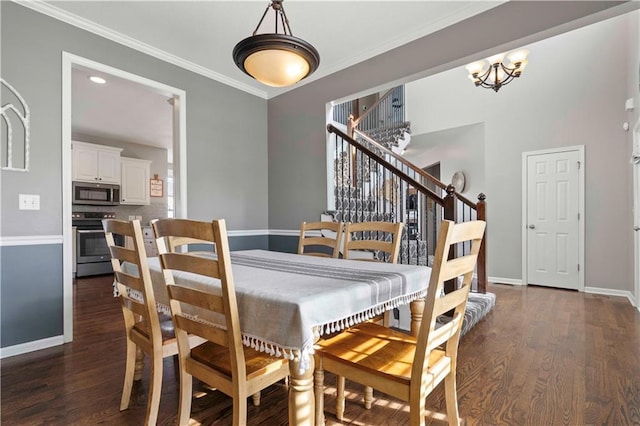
542, 357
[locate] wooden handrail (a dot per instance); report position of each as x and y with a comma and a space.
372, 108
375, 157
413, 167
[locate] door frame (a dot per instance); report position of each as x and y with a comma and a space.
70, 61
636, 218
581, 209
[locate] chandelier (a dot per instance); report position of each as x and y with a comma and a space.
493, 73
276, 59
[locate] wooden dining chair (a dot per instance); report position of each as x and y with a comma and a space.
222, 361
145, 330
377, 242
407, 367
373, 239
330, 238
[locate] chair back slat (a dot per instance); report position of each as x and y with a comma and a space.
191, 262
444, 332
371, 231
206, 331
330, 237
449, 301
134, 306
124, 254
197, 298
128, 280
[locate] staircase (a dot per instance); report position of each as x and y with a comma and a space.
372, 181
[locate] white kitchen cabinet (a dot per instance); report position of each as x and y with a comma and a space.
95, 163
134, 187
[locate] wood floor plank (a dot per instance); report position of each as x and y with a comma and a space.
542, 356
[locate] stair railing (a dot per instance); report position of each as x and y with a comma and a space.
387, 111
374, 183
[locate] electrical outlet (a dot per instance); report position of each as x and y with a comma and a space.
28, 202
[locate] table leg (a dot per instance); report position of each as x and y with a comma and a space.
301, 399
417, 308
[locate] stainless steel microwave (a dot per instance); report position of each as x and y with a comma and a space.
99, 194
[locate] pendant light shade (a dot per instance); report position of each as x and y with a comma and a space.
276, 59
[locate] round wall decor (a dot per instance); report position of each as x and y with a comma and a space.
458, 180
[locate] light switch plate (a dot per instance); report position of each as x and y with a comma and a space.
28, 202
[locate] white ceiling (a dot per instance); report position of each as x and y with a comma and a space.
200, 36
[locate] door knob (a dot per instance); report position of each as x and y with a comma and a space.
637, 228
532, 227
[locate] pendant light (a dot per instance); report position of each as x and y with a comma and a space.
276, 59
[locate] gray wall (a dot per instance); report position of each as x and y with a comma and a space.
226, 151
297, 134
457, 149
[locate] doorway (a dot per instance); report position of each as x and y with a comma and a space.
69, 62
553, 218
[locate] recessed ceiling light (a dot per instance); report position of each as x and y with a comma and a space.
97, 79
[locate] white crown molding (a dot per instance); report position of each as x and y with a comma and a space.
35, 345
31, 240
102, 31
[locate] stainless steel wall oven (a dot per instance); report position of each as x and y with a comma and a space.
92, 253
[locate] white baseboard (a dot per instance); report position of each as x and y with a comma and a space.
511, 281
36, 345
611, 292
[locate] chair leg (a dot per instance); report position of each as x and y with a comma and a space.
239, 411
340, 398
318, 380
129, 371
417, 409
368, 397
256, 399
451, 399
155, 389
186, 391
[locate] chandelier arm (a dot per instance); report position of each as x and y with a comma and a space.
261, 19
510, 71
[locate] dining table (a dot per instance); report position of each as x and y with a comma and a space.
286, 302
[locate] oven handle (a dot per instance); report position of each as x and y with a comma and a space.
90, 231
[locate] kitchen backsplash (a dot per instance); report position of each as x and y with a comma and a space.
148, 213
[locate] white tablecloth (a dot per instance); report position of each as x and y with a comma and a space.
286, 301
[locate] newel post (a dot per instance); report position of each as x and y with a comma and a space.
450, 213
482, 255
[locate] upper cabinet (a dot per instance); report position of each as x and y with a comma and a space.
135, 181
95, 163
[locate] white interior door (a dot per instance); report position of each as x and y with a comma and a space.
552, 218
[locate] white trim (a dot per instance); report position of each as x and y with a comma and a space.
35, 345
581, 209
31, 240
68, 62
499, 280
636, 218
285, 232
248, 233
610, 292
115, 36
